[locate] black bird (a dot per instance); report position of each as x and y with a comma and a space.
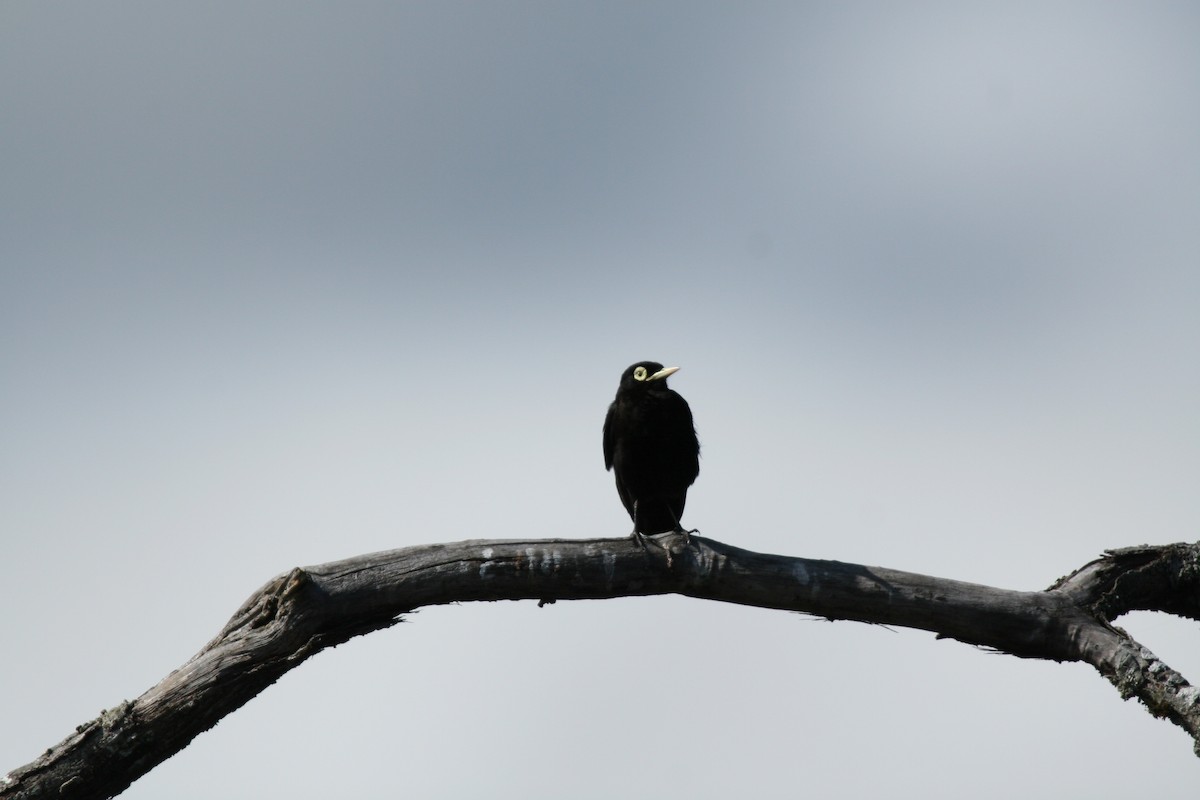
650, 444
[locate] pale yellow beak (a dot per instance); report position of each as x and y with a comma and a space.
663, 373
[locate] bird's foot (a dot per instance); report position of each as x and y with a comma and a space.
686, 534
642, 539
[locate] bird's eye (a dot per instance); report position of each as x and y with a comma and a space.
639, 374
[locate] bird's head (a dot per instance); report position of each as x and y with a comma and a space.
646, 374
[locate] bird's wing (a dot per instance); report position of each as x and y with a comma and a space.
686, 431
609, 437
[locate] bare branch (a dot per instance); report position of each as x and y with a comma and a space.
306, 610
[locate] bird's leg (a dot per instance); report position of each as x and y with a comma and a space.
637, 535
687, 534
642, 538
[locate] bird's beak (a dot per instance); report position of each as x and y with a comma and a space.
662, 373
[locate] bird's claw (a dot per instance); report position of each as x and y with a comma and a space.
687, 534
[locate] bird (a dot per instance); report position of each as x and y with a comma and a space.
650, 445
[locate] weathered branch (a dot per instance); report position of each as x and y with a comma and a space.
306, 610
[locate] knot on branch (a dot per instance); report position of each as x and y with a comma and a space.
268, 604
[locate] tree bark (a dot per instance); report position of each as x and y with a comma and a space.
301, 612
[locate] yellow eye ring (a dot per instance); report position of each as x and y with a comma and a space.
639, 374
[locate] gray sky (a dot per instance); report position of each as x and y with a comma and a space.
282, 283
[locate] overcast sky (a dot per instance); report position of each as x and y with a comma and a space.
282, 283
